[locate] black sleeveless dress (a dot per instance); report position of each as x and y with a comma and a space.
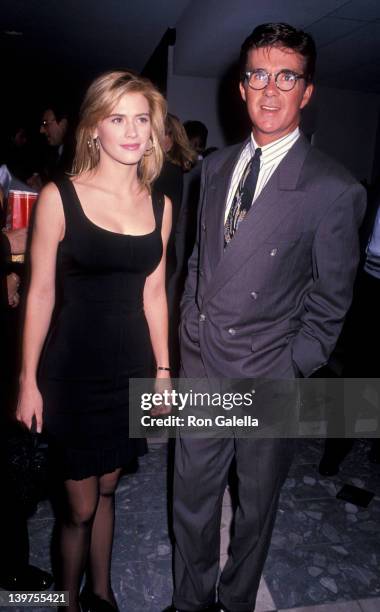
98, 339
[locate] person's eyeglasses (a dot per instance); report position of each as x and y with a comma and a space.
44, 123
284, 79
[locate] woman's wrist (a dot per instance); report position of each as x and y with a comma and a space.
163, 368
163, 374
27, 381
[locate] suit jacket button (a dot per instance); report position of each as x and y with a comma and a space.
201, 273
232, 331
204, 227
202, 317
273, 252
254, 295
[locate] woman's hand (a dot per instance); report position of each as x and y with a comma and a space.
29, 406
35, 181
162, 383
17, 239
13, 283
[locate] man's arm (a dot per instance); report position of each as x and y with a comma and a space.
335, 261
191, 284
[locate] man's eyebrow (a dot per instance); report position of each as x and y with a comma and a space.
265, 70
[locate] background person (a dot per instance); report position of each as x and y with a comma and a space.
57, 125
197, 134
360, 340
179, 159
15, 571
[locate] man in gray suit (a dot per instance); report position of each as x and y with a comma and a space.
270, 281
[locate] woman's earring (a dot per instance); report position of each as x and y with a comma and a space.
150, 150
93, 142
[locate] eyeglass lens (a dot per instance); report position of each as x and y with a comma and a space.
284, 79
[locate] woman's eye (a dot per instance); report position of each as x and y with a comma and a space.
143, 119
116, 120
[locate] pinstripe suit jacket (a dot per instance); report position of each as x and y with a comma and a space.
273, 302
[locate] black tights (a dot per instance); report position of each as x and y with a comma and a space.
87, 537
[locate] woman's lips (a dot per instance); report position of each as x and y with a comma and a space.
130, 147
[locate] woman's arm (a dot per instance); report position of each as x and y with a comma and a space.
155, 302
48, 230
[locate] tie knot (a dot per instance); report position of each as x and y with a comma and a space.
257, 153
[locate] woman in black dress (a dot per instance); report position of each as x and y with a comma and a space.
97, 295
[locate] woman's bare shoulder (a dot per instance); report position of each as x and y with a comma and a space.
50, 202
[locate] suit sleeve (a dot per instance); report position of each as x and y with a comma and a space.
190, 291
335, 258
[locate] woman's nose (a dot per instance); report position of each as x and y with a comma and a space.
130, 128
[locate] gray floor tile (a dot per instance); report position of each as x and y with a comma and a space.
331, 607
369, 605
324, 552
142, 586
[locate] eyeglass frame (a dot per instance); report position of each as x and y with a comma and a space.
249, 73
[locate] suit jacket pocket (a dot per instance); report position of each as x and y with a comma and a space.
190, 326
272, 352
271, 340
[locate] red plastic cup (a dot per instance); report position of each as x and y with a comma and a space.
20, 205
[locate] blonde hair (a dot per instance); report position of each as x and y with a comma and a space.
99, 101
182, 154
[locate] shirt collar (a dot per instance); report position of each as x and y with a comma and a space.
267, 150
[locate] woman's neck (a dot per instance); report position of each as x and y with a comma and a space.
120, 178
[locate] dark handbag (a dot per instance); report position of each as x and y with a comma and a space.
26, 467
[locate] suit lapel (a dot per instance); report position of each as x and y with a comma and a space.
273, 205
216, 203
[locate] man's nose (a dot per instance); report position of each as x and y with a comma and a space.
271, 89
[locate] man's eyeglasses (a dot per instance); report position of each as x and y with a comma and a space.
284, 79
44, 123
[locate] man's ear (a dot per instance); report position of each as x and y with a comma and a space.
307, 95
242, 91
63, 124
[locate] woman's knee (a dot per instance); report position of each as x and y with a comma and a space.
82, 501
82, 515
108, 483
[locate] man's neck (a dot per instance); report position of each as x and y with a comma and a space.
290, 135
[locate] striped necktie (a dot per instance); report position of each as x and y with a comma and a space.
243, 197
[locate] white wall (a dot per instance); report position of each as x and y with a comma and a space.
195, 98
344, 123
346, 128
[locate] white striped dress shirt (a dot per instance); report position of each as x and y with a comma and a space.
271, 155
